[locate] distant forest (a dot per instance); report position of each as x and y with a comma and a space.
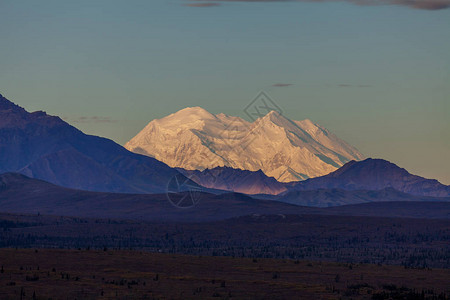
412, 243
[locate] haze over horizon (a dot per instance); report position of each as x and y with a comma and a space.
376, 76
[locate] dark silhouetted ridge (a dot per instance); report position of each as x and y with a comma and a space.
376, 174
45, 147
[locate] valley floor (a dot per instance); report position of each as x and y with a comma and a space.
114, 274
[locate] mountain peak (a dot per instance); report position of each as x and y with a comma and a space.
375, 162
5, 104
195, 110
190, 114
369, 164
192, 138
377, 174
184, 118
273, 117
273, 114
45, 147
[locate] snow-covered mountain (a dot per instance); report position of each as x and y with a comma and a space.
287, 150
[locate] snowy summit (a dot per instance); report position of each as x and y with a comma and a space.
287, 150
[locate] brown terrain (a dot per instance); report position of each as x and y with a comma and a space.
105, 274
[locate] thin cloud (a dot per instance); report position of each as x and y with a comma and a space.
428, 5
417, 4
282, 84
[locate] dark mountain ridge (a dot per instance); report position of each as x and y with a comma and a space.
356, 182
236, 180
375, 174
21, 194
45, 147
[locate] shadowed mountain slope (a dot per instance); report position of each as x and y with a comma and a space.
20, 194
45, 147
336, 197
240, 181
375, 174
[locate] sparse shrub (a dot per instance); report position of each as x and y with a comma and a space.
337, 278
32, 278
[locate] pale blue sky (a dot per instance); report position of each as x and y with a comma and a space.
377, 76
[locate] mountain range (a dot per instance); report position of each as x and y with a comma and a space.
194, 139
366, 175
21, 194
45, 147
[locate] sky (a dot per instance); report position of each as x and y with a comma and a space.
375, 73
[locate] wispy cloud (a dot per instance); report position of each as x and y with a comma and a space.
423, 4
94, 119
417, 4
282, 84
